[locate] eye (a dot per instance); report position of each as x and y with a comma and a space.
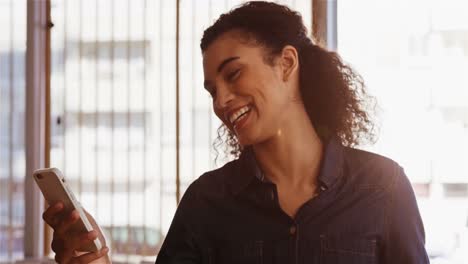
233, 75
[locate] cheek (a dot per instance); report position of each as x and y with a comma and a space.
218, 114
221, 118
266, 100
271, 108
267, 92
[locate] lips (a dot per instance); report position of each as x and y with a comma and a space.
240, 122
238, 114
232, 115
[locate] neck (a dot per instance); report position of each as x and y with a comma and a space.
292, 157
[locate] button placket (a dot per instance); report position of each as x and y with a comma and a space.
292, 230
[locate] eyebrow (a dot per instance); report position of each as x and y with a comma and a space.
220, 68
226, 61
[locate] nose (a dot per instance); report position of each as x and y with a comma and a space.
223, 97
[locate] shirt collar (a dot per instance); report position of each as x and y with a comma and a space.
245, 171
332, 164
247, 168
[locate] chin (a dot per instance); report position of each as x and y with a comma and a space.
250, 136
245, 140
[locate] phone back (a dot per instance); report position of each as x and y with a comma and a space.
52, 185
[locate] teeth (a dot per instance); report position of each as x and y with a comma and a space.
237, 114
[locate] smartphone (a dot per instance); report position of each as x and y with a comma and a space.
55, 189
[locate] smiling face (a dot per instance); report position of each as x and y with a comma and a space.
250, 96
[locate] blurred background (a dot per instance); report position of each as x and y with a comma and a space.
114, 132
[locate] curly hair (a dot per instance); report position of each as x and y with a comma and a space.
333, 93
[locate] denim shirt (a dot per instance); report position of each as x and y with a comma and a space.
365, 212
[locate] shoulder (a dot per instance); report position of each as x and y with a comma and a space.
369, 169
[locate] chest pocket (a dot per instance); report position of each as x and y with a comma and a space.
345, 250
241, 252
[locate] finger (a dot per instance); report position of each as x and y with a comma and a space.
63, 227
50, 215
57, 258
67, 249
57, 245
84, 240
79, 242
65, 256
88, 257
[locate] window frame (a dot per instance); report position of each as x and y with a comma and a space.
36, 118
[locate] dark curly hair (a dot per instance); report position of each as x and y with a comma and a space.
333, 93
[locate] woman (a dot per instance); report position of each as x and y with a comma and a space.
298, 192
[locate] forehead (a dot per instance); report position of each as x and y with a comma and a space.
230, 44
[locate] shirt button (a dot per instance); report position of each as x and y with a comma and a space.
292, 230
323, 188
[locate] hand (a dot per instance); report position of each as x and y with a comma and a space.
67, 244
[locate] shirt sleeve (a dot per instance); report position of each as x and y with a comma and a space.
404, 243
180, 245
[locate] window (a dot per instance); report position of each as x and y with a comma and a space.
456, 190
113, 107
413, 57
12, 108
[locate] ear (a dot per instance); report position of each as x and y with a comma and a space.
289, 63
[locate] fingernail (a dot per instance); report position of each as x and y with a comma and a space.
92, 234
75, 214
105, 250
58, 206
